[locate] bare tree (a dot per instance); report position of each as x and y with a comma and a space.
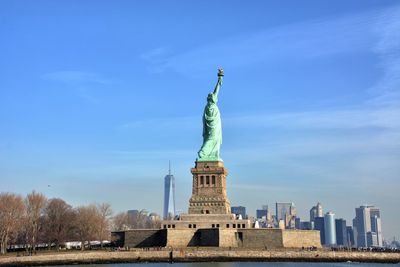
104, 212
154, 221
11, 212
35, 204
23, 236
58, 221
120, 222
138, 220
86, 223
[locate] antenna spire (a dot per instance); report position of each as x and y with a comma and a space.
169, 167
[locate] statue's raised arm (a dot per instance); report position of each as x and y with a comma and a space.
219, 83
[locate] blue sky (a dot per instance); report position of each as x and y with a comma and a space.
97, 96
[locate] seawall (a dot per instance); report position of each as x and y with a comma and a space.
197, 255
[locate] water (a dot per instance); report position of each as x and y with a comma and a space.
236, 264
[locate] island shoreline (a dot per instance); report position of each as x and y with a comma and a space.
197, 255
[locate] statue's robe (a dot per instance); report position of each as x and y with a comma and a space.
212, 131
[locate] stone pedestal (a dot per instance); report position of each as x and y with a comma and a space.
209, 206
209, 189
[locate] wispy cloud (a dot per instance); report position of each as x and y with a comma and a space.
164, 123
151, 154
387, 90
350, 118
86, 94
82, 83
156, 59
154, 54
362, 117
376, 32
309, 39
74, 77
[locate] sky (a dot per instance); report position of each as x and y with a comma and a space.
97, 96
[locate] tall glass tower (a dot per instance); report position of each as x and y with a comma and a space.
330, 229
169, 195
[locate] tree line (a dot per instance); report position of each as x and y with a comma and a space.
26, 222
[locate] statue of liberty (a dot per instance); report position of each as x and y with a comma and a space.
212, 130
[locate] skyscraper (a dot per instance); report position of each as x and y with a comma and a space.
319, 224
169, 196
350, 236
239, 210
282, 210
286, 211
297, 223
368, 220
306, 225
355, 232
341, 232
330, 230
262, 212
316, 211
376, 227
363, 225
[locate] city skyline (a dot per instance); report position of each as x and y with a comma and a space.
103, 99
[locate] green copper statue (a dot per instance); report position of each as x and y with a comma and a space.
212, 131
